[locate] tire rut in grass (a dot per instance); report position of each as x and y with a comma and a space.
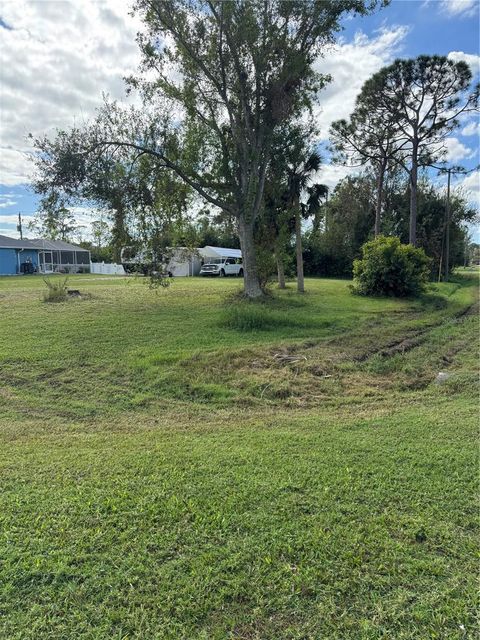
406, 343
322, 369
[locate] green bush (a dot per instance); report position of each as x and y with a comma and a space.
56, 290
266, 266
389, 268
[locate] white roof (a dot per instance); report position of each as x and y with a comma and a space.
220, 252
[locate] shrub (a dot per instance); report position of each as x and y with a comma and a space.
266, 267
56, 290
389, 268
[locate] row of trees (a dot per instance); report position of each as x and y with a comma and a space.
224, 86
340, 225
346, 224
402, 118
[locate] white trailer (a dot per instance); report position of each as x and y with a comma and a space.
184, 262
178, 261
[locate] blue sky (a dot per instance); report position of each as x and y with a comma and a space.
47, 83
436, 26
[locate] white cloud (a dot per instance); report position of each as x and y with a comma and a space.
462, 8
473, 60
5, 196
12, 218
84, 216
14, 164
331, 174
7, 203
471, 129
471, 185
351, 64
56, 60
456, 150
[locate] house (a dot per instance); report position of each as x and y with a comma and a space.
15, 255
41, 256
57, 256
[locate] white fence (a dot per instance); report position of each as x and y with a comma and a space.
107, 269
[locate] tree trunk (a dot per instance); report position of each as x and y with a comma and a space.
280, 269
251, 286
119, 234
379, 202
298, 245
413, 197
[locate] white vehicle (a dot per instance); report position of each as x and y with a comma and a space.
226, 266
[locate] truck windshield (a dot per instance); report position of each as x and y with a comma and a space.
214, 261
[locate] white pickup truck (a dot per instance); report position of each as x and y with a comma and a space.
222, 267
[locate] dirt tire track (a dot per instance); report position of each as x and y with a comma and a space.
406, 344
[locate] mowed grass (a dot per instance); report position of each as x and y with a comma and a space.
178, 464
102, 354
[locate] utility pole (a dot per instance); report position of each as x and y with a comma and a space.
325, 222
455, 170
19, 226
447, 226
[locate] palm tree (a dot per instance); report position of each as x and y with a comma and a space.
317, 195
299, 178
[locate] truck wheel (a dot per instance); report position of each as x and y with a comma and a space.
222, 273
240, 273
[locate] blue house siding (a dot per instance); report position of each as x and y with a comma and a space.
10, 259
28, 255
8, 262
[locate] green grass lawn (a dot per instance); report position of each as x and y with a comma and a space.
178, 464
